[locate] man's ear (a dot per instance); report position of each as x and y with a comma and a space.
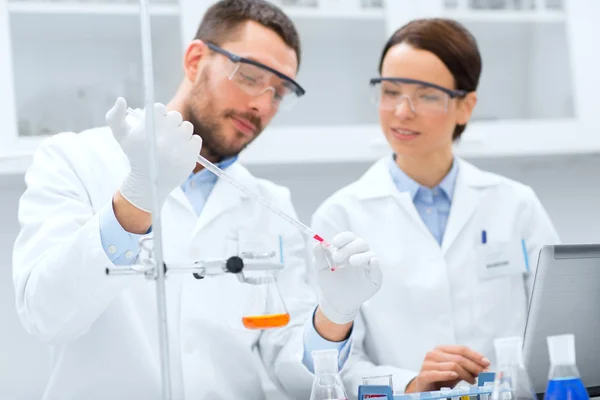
195, 52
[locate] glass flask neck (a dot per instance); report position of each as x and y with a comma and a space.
563, 371
512, 383
328, 383
328, 386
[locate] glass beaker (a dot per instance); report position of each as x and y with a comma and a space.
265, 309
327, 384
564, 381
381, 380
511, 381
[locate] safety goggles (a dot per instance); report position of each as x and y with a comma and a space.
255, 79
424, 98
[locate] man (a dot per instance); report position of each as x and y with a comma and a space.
88, 203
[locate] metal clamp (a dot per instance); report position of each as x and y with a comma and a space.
201, 269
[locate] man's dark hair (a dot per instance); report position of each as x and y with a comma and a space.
224, 19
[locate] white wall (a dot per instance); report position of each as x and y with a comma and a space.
567, 187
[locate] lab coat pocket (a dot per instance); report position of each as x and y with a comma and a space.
499, 300
501, 259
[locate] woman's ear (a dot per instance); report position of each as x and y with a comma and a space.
194, 54
465, 108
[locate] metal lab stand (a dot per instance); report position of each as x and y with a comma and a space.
155, 267
200, 269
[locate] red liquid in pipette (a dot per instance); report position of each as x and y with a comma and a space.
320, 239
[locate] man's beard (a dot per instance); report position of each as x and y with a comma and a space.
213, 143
206, 124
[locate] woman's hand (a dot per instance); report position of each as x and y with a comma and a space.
445, 366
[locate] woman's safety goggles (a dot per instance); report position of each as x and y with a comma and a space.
423, 98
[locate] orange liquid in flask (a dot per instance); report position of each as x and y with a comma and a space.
266, 321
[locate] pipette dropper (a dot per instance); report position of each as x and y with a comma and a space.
274, 209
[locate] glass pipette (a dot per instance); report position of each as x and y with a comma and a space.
274, 209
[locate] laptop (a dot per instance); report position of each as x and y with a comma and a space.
565, 299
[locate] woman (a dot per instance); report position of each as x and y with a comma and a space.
457, 245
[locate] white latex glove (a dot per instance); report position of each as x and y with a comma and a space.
176, 150
357, 279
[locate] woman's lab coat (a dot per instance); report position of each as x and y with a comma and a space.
464, 293
103, 329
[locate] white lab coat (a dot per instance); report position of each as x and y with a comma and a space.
434, 296
103, 330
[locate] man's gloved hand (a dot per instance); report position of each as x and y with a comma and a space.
357, 278
177, 149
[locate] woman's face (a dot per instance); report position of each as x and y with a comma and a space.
427, 130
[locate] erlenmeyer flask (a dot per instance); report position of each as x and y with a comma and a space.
328, 383
265, 308
512, 381
564, 381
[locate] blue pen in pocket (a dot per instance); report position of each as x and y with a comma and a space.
525, 254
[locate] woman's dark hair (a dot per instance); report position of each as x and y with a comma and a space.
451, 42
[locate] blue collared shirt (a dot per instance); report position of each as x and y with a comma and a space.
313, 341
433, 205
122, 248
198, 186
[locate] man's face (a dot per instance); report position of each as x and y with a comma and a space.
223, 114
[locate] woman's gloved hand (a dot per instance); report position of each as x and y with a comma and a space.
356, 278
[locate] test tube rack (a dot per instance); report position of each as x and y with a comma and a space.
481, 392
384, 392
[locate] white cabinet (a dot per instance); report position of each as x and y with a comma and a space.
70, 59
64, 62
537, 83
532, 99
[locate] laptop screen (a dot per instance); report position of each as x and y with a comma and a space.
565, 299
